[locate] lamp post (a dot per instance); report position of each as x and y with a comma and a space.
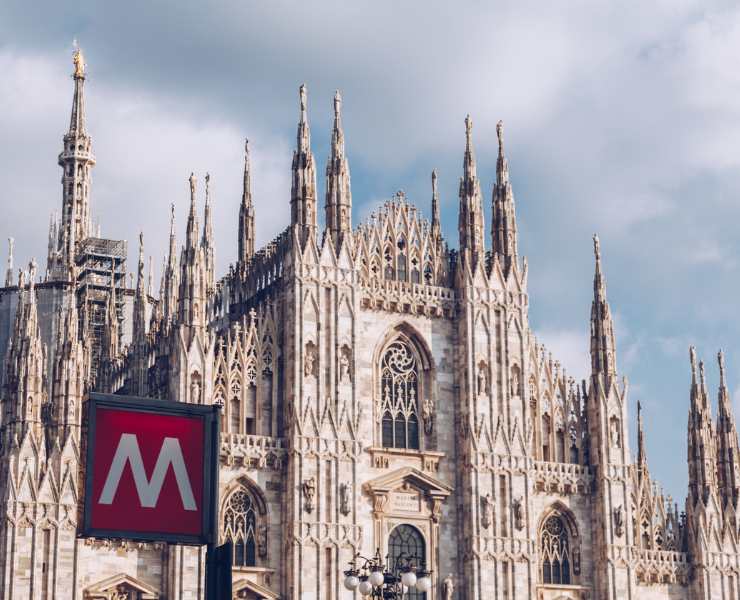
387, 582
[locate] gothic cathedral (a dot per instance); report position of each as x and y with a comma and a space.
378, 390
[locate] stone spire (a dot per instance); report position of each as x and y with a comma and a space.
207, 242
246, 212
303, 211
338, 192
192, 291
71, 372
139, 321
76, 160
728, 456
9, 269
701, 443
470, 219
603, 345
641, 454
25, 376
51, 255
503, 226
436, 226
111, 334
170, 276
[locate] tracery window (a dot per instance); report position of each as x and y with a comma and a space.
555, 551
399, 389
239, 525
405, 541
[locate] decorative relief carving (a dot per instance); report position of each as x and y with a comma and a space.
448, 587
262, 540
309, 493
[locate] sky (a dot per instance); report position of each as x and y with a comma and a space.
621, 118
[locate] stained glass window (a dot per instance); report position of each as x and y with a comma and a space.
555, 553
239, 526
399, 388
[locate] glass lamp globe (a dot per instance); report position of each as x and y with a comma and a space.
376, 578
351, 582
424, 584
408, 579
365, 588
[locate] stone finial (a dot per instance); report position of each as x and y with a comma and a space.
79, 62
337, 105
208, 189
597, 247
692, 360
500, 134
721, 361
193, 180
303, 100
172, 219
702, 377
468, 130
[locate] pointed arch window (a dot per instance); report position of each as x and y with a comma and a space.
239, 526
399, 390
555, 552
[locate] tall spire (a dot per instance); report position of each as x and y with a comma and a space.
193, 277
603, 345
641, 454
728, 456
139, 322
191, 233
303, 211
170, 276
9, 270
76, 160
111, 335
503, 226
246, 212
208, 241
702, 451
436, 226
470, 219
338, 191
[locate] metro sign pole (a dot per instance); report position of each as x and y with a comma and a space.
151, 474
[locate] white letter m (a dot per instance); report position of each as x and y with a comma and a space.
148, 490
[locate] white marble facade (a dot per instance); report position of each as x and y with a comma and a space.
379, 391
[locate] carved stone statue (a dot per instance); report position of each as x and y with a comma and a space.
309, 493
121, 593
344, 366
618, 521
344, 498
427, 415
448, 587
486, 511
482, 379
309, 360
518, 507
195, 391
262, 540
514, 383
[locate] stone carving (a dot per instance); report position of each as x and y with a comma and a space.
486, 519
344, 494
427, 415
309, 493
448, 587
518, 507
195, 390
121, 593
309, 360
614, 432
618, 521
262, 540
576, 560
482, 378
515, 382
344, 364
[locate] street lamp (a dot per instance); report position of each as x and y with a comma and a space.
376, 580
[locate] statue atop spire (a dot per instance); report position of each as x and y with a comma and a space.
9, 270
338, 192
603, 345
79, 63
303, 212
470, 218
728, 454
436, 223
246, 213
702, 447
503, 224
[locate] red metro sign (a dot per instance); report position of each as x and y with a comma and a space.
152, 471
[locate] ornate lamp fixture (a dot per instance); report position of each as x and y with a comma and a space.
376, 580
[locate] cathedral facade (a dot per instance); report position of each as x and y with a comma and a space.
378, 390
